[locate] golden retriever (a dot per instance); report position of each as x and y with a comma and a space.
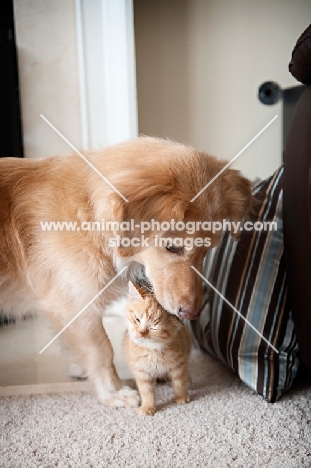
57, 272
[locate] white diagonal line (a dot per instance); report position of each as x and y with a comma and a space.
83, 157
236, 310
235, 157
84, 308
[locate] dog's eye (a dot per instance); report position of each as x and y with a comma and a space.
137, 320
174, 249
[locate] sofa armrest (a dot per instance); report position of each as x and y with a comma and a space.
297, 202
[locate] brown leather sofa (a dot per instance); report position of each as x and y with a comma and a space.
297, 200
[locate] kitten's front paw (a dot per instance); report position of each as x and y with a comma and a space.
182, 400
126, 396
146, 410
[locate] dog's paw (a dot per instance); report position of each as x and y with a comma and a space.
182, 400
126, 396
146, 410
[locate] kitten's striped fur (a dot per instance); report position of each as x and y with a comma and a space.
157, 345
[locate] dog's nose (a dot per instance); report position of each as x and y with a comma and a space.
187, 313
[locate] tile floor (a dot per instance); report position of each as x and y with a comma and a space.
24, 370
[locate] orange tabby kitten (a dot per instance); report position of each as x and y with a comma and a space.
157, 345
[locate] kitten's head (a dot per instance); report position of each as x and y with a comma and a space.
149, 325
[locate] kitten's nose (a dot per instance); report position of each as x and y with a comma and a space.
140, 334
188, 313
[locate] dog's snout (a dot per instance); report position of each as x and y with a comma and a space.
188, 313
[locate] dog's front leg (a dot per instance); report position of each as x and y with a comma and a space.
87, 336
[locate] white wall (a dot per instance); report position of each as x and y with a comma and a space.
48, 74
199, 65
106, 58
77, 68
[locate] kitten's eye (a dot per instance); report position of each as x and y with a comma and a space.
174, 249
137, 320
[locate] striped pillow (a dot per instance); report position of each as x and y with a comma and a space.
250, 274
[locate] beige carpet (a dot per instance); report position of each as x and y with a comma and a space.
225, 425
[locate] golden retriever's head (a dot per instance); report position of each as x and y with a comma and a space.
161, 180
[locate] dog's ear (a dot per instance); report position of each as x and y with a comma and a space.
151, 194
148, 199
236, 197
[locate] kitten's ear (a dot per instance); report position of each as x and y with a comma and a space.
178, 324
134, 295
